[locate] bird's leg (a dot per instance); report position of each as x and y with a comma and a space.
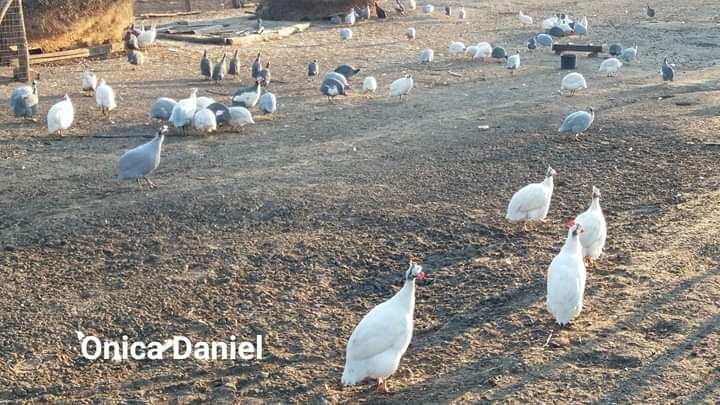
524, 227
137, 180
150, 184
382, 386
577, 136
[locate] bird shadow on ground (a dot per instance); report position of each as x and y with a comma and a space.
526, 295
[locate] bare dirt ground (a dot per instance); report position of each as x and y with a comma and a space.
294, 228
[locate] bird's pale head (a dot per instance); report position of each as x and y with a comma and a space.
414, 272
575, 229
67, 98
550, 172
595, 192
591, 110
101, 82
164, 130
408, 76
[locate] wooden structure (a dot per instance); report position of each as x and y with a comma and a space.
14, 51
306, 10
592, 50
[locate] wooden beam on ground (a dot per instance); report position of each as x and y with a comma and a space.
92, 52
196, 40
162, 15
593, 50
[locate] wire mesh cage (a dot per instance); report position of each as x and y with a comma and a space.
14, 56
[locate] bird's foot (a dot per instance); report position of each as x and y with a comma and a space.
577, 137
589, 262
382, 386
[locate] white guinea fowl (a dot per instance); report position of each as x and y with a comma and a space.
147, 38
484, 51
267, 103
401, 87
513, 63
471, 50
369, 85
184, 111
532, 202
105, 97
240, 116
203, 102
205, 121
248, 97
410, 33
428, 8
566, 279
381, 338
456, 48
427, 55
346, 34
593, 222
139, 162
610, 66
551, 22
89, 81
572, 82
61, 116
525, 19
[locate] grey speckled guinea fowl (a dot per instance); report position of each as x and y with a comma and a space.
219, 69
544, 39
668, 74
221, 111
233, 66
24, 101
205, 66
332, 88
161, 109
578, 122
347, 71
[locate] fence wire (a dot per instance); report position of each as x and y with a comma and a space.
14, 59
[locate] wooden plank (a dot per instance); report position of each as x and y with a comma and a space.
196, 40
163, 15
593, 49
58, 56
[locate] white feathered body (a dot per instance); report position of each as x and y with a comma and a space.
184, 111
203, 102
572, 82
595, 226
268, 103
60, 116
369, 85
249, 98
205, 121
401, 87
427, 55
240, 116
381, 338
147, 38
513, 62
346, 34
89, 81
525, 19
105, 96
484, 51
610, 66
566, 282
456, 48
141, 160
532, 202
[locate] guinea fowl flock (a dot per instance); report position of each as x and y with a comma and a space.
380, 339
